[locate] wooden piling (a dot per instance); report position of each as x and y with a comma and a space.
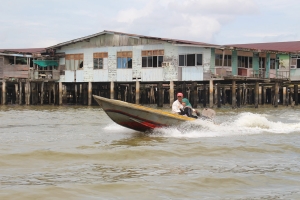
204, 97
85, 93
76, 93
20, 93
137, 92
284, 102
256, 94
171, 92
4, 92
184, 90
42, 92
276, 91
34, 93
17, 93
194, 96
112, 91
233, 94
54, 93
90, 90
218, 95
27, 93
50, 93
238, 97
160, 99
260, 95
263, 95
215, 95
223, 95
296, 95
80, 94
60, 93
211, 93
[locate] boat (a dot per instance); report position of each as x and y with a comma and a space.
137, 117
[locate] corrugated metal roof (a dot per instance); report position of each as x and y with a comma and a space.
292, 46
176, 41
24, 51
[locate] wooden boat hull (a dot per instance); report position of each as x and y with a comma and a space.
138, 117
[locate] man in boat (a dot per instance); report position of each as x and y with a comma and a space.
182, 106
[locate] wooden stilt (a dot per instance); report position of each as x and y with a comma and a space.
284, 102
219, 95
296, 95
215, 95
50, 94
256, 94
21, 93
211, 93
260, 95
184, 92
263, 95
194, 96
204, 97
171, 92
54, 93
76, 93
223, 95
60, 93
137, 92
244, 94
42, 93
85, 93
112, 90
4, 92
238, 98
160, 99
17, 93
233, 94
90, 90
276, 91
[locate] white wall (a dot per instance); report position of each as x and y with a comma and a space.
111, 73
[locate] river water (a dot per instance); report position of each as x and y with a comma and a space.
76, 152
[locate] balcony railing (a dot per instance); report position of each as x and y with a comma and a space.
25, 72
44, 74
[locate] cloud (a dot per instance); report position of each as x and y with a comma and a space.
31, 23
195, 20
216, 7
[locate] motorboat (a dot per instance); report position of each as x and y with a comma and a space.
137, 117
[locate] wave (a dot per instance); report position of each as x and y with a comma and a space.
241, 124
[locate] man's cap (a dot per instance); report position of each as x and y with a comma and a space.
179, 94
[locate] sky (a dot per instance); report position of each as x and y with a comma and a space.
41, 23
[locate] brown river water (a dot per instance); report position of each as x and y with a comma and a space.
77, 152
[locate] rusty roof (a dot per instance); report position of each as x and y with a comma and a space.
24, 51
292, 46
175, 41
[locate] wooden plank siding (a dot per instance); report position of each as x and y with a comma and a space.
15, 71
1, 67
109, 40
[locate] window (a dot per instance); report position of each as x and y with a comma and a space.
296, 60
98, 63
124, 59
227, 60
21, 61
152, 58
74, 61
190, 60
99, 59
272, 63
244, 61
262, 63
